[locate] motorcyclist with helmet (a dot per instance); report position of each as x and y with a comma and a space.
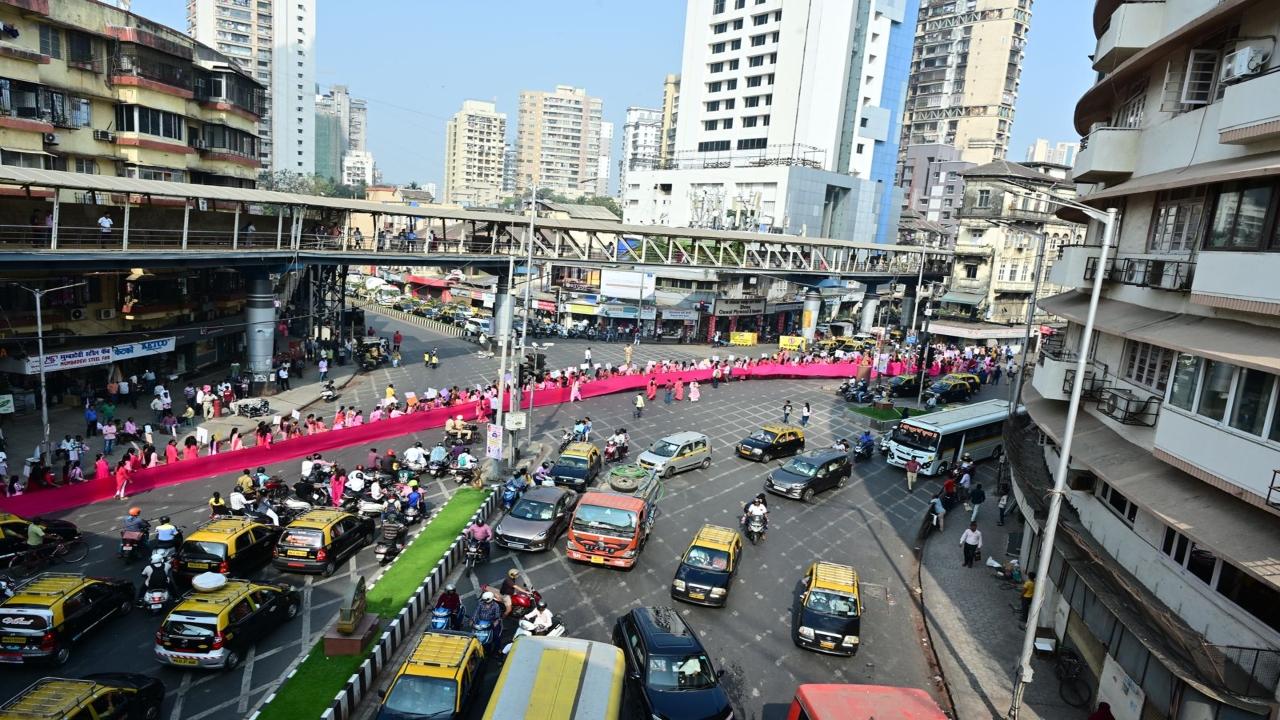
511, 586
167, 534
414, 499
543, 473
134, 522
757, 508
415, 456
489, 609
356, 480
540, 619
482, 534
451, 601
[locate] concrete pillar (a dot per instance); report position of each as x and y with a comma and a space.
809, 320
870, 304
260, 323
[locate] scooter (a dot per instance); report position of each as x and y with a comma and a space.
444, 619
253, 408
511, 494
526, 630
462, 474
437, 468
566, 437
614, 452
131, 542
864, 451
488, 633
327, 393
391, 542
755, 528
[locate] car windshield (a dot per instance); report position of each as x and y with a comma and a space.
707, 558
204, 549
830, 603
533, 510
416, 696
302, 537
662, 448
188, 628
604, 520
916, 438
570, 461
939, 387
764, 436
801, 467
680, 672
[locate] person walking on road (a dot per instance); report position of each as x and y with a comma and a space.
976, 498
323, 367
575, 391
626, 355
913, 468
667, 393
971, 541
1028, 591
1003, 503
396, 340
679, 390
786, 411
586, 357
435, 358
651, 391
639, 403
805, 412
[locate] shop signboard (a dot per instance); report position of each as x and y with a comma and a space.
783, 307
742, 339
580, 309
144, 348
493, 441
626, 285
791, 342
618, 310
726, 307
488, 298
546, 305
679, 314
69, 360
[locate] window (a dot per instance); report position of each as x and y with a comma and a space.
1253, 395
713, 87
735, 44
136, 118
752, 101
1202, 562
1254, 597
764, 120
1185, 375
749, 121
713, 105
717, 7
1118, 502
1202, 73
88, 166
719, 28
731, 84
753, 144
739, 4
1215, 389
710, 124
726, 123
773, 37
729, 103
733, 64
984, 199
716, 67
1238, 216
756, 61
1129, 115
737, 24
79, 49
759, 20
1178, 217
713, 146
717, 48
758, 40
50, 41
755, 81
1147, 365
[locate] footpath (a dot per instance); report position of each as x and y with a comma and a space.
973, 619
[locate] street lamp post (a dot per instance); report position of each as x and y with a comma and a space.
39, 294
1025, 673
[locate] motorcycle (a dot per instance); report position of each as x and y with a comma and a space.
275, 488
327, 393
131, 542
614, 452
566, 437
859, 393
437, 468
522, 603
525, 629
253, 408
864, 451
755, 528
462, 474
511, 494
475, 553
391, 542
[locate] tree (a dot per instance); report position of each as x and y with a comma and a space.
413, 185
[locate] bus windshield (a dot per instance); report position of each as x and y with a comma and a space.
916, 438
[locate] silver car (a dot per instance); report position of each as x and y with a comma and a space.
538, 518
677, 453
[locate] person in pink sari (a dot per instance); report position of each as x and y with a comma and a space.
190, 452
679, 389
171, 452
237, 443
337, 484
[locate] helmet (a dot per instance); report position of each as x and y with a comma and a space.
967, 456
450, 587
513, 573
391, 453
542, 605
413, 483
164, 520
440, 444
760, 496
546, 464
135, 511
487, 597
418, 445
459, 416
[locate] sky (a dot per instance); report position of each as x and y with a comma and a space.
415, 61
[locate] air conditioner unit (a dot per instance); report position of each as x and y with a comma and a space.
50, 138
106, 313
104, 135
78, 314
1243, 63
126, 63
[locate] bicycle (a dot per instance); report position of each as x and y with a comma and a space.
1071, 686
21, 565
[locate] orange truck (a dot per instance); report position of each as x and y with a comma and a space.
610, 528
862, 702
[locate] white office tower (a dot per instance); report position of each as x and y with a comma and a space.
641, 142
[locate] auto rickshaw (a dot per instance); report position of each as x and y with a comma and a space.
370, 353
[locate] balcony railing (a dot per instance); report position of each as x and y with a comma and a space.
1127, 408
1246, 671
1095, 377
1145, 272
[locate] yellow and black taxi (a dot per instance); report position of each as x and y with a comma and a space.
578, 466
949, 389
973, 381
904, 385
216, 624
438, 680
829, 617
13, 531
51, 611
102, 696
317, 540
771, 441
231, 546
706, 571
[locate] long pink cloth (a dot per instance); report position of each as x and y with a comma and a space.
46, 501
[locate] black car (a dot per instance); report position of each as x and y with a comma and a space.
133, 695
904, 386
811, 473
771, 441
669, 674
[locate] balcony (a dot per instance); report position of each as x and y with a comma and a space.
1108, 154
1238, 280
1147, 272
1069, 269
1244, 120
1132, 28
1224, 458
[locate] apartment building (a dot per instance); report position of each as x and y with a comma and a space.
558, 140
475, 140
1003, 215
91, 88
670, 116
769, 139
604, 159
1060, 153
358, 168
340, 127
274, 40
965, 68
1166, 575
932, 184
641, 142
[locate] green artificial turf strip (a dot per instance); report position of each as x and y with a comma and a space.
318, 678
878, 414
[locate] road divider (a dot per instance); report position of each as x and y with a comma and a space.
333, 687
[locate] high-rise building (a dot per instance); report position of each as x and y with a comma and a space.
558, 140
641, 142
1164, 571
670, 114
1063, 153
509, 164
604, 163
769, 139
330, 144
352, 114
276, 42
358, 168
475, 139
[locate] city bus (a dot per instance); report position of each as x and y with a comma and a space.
559, 679
862, 702
939, 439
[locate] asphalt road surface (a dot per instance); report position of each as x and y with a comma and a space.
870, 523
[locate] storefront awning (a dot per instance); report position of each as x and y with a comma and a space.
976, 331
963, 298
1231, 341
